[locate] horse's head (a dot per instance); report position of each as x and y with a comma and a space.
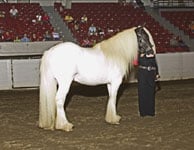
145, 47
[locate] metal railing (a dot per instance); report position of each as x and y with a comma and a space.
174, 3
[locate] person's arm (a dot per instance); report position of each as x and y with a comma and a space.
157, 72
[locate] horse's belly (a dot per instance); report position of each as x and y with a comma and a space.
91, 79
92, 73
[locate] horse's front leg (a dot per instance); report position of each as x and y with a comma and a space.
111, 114
61, 120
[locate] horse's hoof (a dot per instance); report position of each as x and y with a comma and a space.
66, 127
113, 120
46, 127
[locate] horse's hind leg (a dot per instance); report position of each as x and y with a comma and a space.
111, 114
61, 120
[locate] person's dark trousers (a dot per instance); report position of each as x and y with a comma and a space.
146, 92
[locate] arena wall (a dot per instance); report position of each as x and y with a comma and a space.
19, 65
64, 2
51, 2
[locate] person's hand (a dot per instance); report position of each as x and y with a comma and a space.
157, 76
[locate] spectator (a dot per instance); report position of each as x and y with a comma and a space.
134, 3
86, 43
34, 21
47, 36
84, 19
38, 17
34, 38
13, 11
76, 26
25, 38
122, 2
2, 14
181, 42
100, 31
61, 9
93, 42
1, 32
191, 26
151, 3
140, 4
109, 30
16, 39
174, 41
92, 30
68, 18
7, 37
45, 18
55, 35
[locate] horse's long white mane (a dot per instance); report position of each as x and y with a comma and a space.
122, 48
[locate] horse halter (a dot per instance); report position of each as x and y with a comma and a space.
145, 47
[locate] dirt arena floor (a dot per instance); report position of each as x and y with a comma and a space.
171, 129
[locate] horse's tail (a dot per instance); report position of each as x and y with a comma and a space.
48, 87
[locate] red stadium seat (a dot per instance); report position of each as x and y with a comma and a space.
23, 22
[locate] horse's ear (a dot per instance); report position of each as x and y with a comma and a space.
143, 25
140, 27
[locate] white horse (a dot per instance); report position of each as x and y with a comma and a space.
105, 63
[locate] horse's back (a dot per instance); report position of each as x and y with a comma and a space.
63, 51
62, 57
66, 48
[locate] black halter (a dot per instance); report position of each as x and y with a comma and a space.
145, 47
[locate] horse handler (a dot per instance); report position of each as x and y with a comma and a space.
147, 75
